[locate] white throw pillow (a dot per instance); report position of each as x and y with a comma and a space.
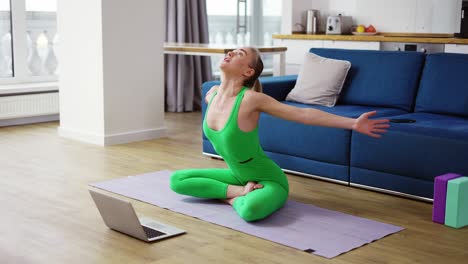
319, 81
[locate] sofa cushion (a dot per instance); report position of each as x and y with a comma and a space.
433, 145
444, 85
309, 167
278, 87
378, 78
313, 142
353, 111
434, 125
319, 81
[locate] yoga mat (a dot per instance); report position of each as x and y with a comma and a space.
306, 227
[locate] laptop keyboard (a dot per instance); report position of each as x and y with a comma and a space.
151, 233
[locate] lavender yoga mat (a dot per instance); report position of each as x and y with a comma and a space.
306, 227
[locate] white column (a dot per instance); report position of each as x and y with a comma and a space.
111, 70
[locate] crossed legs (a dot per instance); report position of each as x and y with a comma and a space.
252, 201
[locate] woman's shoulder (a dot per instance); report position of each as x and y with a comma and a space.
254, 95
210, 92
254, 98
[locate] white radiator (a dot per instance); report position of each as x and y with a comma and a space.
30, 105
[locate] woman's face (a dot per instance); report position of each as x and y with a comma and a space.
237, 62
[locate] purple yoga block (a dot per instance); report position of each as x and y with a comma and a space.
440, 196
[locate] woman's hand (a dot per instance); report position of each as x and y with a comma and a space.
371, 127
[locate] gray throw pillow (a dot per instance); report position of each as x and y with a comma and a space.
319, 81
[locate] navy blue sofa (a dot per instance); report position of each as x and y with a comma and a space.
431, 89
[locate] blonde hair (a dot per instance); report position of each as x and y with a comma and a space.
257, 65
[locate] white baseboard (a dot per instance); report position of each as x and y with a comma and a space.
81, 136
29, 120
133, 136
113, 139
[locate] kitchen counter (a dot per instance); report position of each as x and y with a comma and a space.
409, 38
213, 49
209, 49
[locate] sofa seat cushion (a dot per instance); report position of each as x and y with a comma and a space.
433, 145
313, 142
353, 111
434, 125
379, 78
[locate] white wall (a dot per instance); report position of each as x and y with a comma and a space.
111, 70
81, 75
412, 16
134, 65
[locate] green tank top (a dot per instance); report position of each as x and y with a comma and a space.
241, 150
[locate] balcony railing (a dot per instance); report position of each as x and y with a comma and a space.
5, 45
222, 30
41, 43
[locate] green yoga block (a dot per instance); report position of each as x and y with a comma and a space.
456, 209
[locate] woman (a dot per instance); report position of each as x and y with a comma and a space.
253, 184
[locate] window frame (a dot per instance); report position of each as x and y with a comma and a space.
21, 75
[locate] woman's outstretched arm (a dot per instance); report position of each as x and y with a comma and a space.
310, 116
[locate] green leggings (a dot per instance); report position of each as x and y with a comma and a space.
213, 183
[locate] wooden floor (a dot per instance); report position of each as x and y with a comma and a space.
47, 215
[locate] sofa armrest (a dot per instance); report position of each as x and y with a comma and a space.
278, 87
206, 86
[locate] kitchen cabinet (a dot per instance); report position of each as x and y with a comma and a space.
456, 48
358, 45
298, 44
297, 49
295, 52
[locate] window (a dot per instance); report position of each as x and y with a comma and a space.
243, 23
28, 31
5, 40
271, 19
41, 37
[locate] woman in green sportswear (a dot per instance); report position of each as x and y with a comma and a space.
253, 184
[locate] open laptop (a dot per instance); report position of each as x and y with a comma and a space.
119, 215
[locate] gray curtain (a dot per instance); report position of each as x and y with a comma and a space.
186, 21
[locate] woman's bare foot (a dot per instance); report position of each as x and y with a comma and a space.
250, 186
235, 191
